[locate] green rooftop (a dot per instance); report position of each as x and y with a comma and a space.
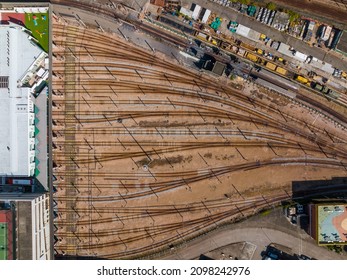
38, 24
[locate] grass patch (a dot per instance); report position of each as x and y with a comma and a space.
38, 24
3, 241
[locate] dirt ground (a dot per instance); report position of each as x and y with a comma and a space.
148, 153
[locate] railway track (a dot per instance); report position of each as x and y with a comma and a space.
183, 179
183, 229
146, 152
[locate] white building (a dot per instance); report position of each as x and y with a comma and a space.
288, 51
196, 11
247, 32
186, 12
206, 16
300, 56
17, 130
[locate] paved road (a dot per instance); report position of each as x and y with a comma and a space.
261, 237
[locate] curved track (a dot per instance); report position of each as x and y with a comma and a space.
147, 153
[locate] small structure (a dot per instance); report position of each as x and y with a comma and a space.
186, 12
216, 23
247, 32
251, 10
218, 68
233, 26
338, 34
309, 30
326, 33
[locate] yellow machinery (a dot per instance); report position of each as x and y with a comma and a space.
271, 66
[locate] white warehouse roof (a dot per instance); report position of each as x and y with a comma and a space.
16, 107
300, 56
247, 32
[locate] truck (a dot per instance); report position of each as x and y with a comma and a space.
214, 42
301, 79
260, 51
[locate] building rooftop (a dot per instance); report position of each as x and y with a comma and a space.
218, 68
18, 54
332, 224
24, 229
247, 32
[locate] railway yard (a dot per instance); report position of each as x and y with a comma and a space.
148, 154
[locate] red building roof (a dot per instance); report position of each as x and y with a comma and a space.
18, 18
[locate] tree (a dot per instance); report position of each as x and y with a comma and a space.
245, 2
271, 6
293, 16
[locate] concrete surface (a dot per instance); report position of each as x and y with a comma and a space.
260, 231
